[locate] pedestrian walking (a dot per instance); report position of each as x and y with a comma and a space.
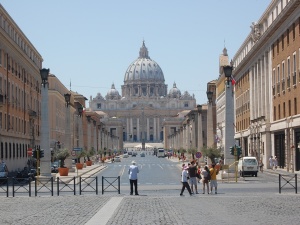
261, 166
271, 162
133, 171
213, 178
205, 179
193, 176
184, 181
275, 162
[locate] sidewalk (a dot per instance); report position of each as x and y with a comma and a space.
86, 171
281, 171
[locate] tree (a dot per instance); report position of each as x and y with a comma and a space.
182, 150
192, 151
211, 152
61, 155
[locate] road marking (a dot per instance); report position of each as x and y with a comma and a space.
104, 214
122, 171
160, 166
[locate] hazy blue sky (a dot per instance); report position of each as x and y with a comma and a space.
92, 42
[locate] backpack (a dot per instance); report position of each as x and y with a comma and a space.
208, 177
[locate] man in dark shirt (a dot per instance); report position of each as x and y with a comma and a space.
193, 176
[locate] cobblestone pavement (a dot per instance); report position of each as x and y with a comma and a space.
158, 207
244, 202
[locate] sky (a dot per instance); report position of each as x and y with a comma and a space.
91, 43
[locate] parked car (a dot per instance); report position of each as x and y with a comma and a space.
125, 155
129, 153
117, 159
3, 170
248, 166
134, 154
142, 154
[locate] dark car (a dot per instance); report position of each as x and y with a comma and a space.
134, 154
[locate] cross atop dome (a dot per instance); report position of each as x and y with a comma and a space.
144, 51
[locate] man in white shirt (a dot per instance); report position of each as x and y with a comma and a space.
184, 181
133, 171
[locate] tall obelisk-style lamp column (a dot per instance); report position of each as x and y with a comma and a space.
68, 145
210, 125
80, 133
199, 133
45, 163
229, 116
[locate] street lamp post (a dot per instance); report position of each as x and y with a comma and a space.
199, 134
210, 127
68, 145
45, 163
80, 132
229, 115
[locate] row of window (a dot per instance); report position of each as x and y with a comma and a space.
18, 38
283, 111
286, 74
12, 123
13, 150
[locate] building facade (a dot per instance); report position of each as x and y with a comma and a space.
144, 102
267, 74
20, 94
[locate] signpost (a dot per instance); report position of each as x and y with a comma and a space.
198, 155
29, 152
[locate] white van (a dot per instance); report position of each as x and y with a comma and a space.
160, 152
248, 165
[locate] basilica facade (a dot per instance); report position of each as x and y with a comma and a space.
144, 103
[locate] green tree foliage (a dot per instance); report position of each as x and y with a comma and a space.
192, 151
211, 152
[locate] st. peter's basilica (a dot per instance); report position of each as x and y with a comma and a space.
144, 102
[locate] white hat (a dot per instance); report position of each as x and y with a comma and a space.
133, 162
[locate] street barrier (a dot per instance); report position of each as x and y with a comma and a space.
85, 184
4, 186
110, 181
21, 185
288, 179
43, 185
66, 187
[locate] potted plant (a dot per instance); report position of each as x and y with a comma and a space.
89, 154
61, 155
79, 165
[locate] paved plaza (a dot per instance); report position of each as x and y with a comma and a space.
154, 208
245, 202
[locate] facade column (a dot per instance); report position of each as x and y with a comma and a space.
138, 129
210, 127
154, 130
131, 128
127, 129
200, 139
148, 130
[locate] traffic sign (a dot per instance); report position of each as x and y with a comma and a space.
73, 153
77, 149
198, 155
29, 151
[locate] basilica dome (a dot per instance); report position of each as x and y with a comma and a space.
144, 69
174, 92
113, 93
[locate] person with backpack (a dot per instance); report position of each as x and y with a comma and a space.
206, 178
213, 181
